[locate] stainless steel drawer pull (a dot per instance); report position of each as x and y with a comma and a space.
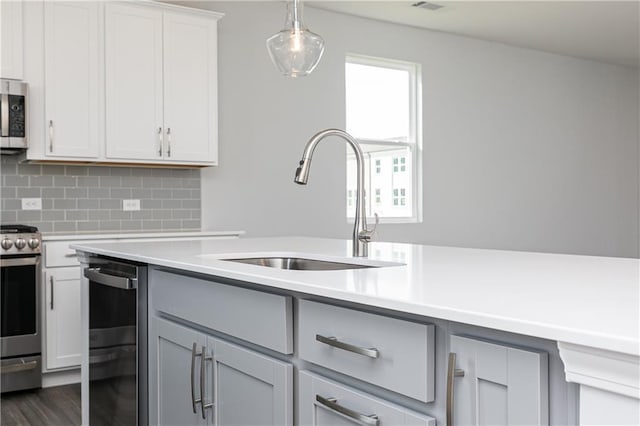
194, 401
203, 391
333, 341
71, 255
452, 373
332, 404
50, 135
168, 141
51, 287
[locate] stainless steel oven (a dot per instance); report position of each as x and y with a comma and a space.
117, 342
20, 293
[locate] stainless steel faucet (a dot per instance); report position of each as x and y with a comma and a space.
361, 235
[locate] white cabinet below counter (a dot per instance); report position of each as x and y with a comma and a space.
61, 297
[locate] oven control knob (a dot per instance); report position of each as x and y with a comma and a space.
6, 244
20, 243
34, 243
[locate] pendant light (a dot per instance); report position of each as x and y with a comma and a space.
295, 50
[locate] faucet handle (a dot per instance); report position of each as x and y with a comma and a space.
367, 234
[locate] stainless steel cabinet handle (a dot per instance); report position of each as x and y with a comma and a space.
203, 390
50, 135
194, 401
51, 287
71, 255
168, 141
452, 372
333, 341
332, 404
159, 141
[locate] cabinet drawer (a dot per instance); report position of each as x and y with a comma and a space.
257, 317
327, 403
59, 254
396, 355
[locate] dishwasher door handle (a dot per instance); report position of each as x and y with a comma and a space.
97, 276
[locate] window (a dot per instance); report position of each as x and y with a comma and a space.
383, 113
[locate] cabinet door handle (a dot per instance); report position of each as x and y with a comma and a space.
452, 373
332, 404
203, 390
168, 141
333, 341
51, 287
50, 135
159, 141
194, 401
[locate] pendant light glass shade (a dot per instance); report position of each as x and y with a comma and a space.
295, 50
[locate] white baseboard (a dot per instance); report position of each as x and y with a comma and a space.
59, 378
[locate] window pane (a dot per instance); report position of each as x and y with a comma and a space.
378, 102
395, 188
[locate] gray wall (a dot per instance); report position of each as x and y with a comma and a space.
523, 149
89, 199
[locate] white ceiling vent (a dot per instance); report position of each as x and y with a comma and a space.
427, 5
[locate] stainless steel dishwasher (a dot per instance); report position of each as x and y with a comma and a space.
117, 342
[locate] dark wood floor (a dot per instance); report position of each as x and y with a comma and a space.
58, 406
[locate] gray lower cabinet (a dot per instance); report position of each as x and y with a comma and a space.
497, 384
174, 374
250, 389
323, 402
228, 386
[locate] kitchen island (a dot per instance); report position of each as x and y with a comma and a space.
586, 306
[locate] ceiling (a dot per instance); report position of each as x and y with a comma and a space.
605, 31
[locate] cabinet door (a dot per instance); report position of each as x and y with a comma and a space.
62, 316
250, 389
190, 88
133, 56
72, 83
11, 39
174, 374
323, 402
501, 385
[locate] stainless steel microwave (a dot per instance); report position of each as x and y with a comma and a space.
13, 114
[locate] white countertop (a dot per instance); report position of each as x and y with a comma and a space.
586, 300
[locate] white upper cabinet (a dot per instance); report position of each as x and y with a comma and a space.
190, 88
119, 82
72, 79
133, 56
11, 39
161, 85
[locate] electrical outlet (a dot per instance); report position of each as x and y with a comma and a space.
32, 204
130, 205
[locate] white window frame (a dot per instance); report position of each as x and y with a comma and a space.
415, 132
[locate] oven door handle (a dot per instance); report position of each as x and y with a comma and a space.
16, 368
20, 261
97, 276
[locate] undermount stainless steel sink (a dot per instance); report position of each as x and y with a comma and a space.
299, 264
